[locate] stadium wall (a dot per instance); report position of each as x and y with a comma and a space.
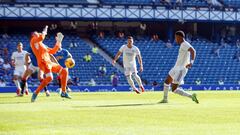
127, 88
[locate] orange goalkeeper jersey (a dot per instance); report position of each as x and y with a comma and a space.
42, 52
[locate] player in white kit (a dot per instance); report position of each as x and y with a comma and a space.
178, 72
18, 61
130, 52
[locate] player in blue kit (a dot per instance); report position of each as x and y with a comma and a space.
61, 57
30, 58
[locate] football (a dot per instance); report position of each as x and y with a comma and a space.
69, 63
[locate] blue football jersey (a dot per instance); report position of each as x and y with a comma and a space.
61, 56
32, 57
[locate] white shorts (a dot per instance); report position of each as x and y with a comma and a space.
130, 70
178, 75
19, 71
33, 68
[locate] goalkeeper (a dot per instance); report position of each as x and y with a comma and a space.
42, 53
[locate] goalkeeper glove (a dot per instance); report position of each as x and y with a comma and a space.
45, 30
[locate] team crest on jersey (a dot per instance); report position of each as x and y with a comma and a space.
36, 45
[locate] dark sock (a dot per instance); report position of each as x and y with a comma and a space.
22, 85
59, 83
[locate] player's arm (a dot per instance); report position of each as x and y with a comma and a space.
69, 55
41, 37
116, 57
193, 56
53, 59
54, 49
58, 44
139, 57
27, 59
13, 60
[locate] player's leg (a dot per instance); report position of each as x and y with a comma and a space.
25, 77
25, 89
128, 75
167, 83
40, 78
166, 88
16, 76
138, 80
63, 73
131, 83
44, 83
178, 90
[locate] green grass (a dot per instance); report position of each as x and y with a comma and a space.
121, 114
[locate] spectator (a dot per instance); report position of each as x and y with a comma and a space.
189, 37
238, 82
221, 82
144, 81
1, 61
87, 57
121, 35
178, 2
216, 52
168, 2
155, 37
53, 27
168, 44
5, 36
2, 83
198, 81
114, 79
155, 84
223, 44
72, 44
76, 81
5, 51
92, 82
101, 34
102, 70
6, 67
214, 3
143, 28
73, 25
238, 44
237, 55
95, 49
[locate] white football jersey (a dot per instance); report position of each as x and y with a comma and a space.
129, 55
19, 58
183, 55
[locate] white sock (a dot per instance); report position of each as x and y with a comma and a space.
181, 92
166, 88
130, 82
26, 86
17, 84
138, 80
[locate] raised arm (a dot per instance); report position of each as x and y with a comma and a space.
58, 44
39, 36
54, 49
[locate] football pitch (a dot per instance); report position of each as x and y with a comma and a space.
121, 113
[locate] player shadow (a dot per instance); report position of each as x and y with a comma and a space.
117, 105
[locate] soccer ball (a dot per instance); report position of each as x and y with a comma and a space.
69, 63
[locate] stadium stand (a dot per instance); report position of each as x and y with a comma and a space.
84, 70
158, 60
